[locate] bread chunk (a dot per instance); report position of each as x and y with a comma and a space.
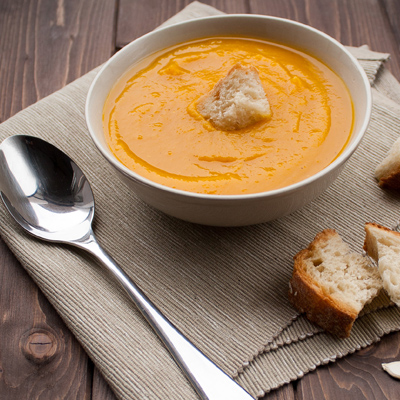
236, 101
388, 171
331, 284
383, 245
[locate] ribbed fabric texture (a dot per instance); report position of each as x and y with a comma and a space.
225, 288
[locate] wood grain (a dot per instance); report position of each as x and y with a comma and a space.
39, 355
154, 12
392, 11
47, 44
358, 376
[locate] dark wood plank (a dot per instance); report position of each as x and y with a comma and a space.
392, 10
358, 376
43, 46
38, 354
46, 44
353, 23
136, 18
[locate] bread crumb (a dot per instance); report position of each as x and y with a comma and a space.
238, 100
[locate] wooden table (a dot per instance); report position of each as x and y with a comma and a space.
46, 44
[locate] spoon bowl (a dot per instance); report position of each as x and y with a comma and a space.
50, 197
44, 190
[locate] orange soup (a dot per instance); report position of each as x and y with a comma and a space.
152, 125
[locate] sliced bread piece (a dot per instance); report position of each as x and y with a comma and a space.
383, 245
331, 284
388, 171
236, 101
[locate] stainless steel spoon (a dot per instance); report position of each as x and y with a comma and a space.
49, 196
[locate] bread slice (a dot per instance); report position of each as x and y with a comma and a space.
236, 101
383, 245
331, 284
388, 171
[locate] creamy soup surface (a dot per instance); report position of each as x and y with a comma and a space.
152, 125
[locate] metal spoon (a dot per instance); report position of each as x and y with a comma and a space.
50, 197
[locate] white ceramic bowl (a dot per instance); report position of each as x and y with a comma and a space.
232, 210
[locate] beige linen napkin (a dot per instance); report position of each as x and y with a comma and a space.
224, 288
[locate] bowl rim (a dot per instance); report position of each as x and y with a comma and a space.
341, 159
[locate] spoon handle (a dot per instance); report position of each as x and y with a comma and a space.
210, 382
